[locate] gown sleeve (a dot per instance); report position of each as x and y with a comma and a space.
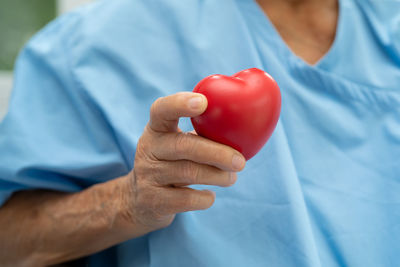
53, 137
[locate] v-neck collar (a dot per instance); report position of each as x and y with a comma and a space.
262, 18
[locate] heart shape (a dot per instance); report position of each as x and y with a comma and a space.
242, 111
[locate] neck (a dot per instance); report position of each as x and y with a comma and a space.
300, 3
307, 26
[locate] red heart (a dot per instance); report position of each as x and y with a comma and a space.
242, 111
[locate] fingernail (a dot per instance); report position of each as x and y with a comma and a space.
212, 192
232, 177
237, 162
195, 102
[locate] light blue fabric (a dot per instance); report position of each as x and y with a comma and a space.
324, 191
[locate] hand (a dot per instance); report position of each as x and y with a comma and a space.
167, 160
72, 225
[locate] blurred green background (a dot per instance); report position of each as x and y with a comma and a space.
19, 20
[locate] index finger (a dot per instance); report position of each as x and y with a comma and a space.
166, 111
184, 146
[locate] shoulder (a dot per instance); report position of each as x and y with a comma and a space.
117, 21
107, 19
119, 37
142, 45
128, 28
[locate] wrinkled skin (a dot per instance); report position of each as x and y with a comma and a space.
167, 160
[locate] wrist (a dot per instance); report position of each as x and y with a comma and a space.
124, 217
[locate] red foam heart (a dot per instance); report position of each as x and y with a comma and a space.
242, 111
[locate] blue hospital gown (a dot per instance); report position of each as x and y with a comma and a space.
324, 191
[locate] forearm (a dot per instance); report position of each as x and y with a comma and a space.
43, 228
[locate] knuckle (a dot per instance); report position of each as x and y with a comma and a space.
154, 107
148, 144
155, 110
157, 206
143, 145
153, 172
190, 171
183, 144
145, 162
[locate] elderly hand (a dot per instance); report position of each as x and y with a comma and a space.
72, 225
168, 159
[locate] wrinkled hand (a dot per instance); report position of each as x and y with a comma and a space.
168, 159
